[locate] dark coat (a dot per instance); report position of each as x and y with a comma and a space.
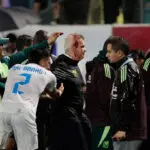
128, 106
70, 126
99, 84
146, 77
68, 73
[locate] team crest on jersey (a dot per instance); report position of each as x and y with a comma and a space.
106, 144
75, 73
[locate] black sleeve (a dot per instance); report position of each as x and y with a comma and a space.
62, 73
51, 86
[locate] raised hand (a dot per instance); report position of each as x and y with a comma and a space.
60, 90
52, 38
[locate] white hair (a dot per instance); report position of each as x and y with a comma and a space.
68, 43
69, 40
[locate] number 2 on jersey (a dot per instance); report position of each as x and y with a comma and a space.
26, 81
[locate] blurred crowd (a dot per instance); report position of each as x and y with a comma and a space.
80, 11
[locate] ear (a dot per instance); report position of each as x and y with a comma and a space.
74, 48
120, 53
41, 62
109, 46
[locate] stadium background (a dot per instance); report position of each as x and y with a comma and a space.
137, 35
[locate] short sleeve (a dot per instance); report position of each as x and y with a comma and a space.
51, 81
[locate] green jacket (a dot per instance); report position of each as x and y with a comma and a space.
8, 61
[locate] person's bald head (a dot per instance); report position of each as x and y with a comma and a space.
75, 46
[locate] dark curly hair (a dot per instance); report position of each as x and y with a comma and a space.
37, 54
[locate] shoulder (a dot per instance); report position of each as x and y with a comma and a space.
49, 73
59, 62
132, 66
128, 70
146, 64
16, 66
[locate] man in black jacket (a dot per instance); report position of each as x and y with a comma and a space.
70, 127
127, 103
99, 79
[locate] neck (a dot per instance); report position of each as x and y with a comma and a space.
68, 56
71, 55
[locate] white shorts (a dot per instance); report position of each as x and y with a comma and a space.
22, 124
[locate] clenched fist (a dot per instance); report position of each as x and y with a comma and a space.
52, 38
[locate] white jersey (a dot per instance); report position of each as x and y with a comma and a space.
24, 85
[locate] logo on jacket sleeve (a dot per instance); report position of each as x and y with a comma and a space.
123, 73
146, 64
75, 73
107, 71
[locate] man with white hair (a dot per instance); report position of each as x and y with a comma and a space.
71, 129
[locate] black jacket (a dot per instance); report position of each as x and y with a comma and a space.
68, 72
99, 77
146, 77
127, 104
99, 84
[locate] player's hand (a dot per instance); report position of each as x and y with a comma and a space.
45, 95
60, 90
52, 38
119, 136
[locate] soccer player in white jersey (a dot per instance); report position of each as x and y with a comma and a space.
24, 85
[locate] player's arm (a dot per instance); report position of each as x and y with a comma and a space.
24, 54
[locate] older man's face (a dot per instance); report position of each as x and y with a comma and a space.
80, 49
